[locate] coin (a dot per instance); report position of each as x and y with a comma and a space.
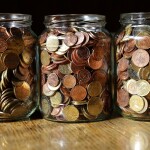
136, 103
123, 64
4, 33
143, 42
120, 36
123, 75
144, 73
45, 58
131, 86
80, 37
69, 81
94, 88
43, 37
56, 99
52, 43
122, 98
140, 58
53, 79
65, 69
83, 53
95, 106
27, 57
23, 91
3, 45
78, 93
46, 91
75, 69
16, 32
129, 45
70, 39
70, 113
145, 106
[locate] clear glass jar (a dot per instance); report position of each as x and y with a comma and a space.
133, 66
75, 65
18, 89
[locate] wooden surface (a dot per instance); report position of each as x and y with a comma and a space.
40, 134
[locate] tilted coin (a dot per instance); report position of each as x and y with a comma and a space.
144, 72
80, 37
3, 45
65, 69
133, 74
45, 58
123, 64
27, 57
70, 113
129, 45
120, 36
53, 79
4, 33
136, 103
94, 88
145, 106
143, 42
22, 92
46, 91
43, 37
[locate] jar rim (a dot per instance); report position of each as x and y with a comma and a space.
6, 17
73, 17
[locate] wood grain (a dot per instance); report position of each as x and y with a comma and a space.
40, 134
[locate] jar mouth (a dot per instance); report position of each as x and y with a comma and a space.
59, 18
134, 17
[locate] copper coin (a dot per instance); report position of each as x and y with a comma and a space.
101, 76
19, 76
45, 58
53, 79
27, 57
46, 91
86, 38
78, 93
16, 32
123, 64
2, 65
28, 40
76, 68
140, 58
22, 92
23, 71
69, 81
143, 42
65, 91
124, 75
70, 39
94, 88
80, 37
3, 45
122, 98
144, 73
95, 106
4, 33
84, 76
129, 45
83, 53
92, 34
10, 59
94, 64
43, 37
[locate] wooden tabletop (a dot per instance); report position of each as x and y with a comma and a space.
39, 134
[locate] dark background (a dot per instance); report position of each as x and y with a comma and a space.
38, 9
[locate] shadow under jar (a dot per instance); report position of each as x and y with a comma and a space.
133, 66
75, 65
18, 96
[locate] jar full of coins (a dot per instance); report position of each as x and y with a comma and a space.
75, 67
18, 96
132, 44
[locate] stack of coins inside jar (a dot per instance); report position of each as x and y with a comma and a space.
133, 71
16, 72
75, 83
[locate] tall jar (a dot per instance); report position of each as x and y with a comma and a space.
133, 66
18, 96
75, 65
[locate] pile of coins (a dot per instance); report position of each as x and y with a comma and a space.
133, 71
75, 83
16, 72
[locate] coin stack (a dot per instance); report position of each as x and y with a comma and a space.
16, 72
133, 71
75, 83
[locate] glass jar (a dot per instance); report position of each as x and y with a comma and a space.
133, 66
75, 65
18, 96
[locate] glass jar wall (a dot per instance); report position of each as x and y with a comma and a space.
18, 96
75, 67
133, 66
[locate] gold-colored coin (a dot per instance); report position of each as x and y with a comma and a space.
143, 87
145, 106
65, 69
70, 113
23, 91
27, 57
136, 103
94, 88
95, 106
56, 99
45, 58
84, 102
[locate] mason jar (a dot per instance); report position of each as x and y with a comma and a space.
132, 44
18, 96
75, 68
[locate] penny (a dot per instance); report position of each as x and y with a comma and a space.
129, 45
10, 59
95, 106
2, 65
52, 43
80, 37
3, 45
56, 99
45, 58
65, 91
4, 33
78, 93
86, 38
94, 64
53, 79
19, 76
70, 113
69, 81
124, 75
131, 86
120, 36
65, 69
83, 53
143, 87
143, 42
46, 91
43, 38
70, 39
140, 58
22, 92
75, 69
94, 88
27, 57
122, 98
123, 64
54, 88
84, 76
136, 103
23, 71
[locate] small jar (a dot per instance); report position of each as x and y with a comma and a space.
133, 66
18, 98
75, 65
